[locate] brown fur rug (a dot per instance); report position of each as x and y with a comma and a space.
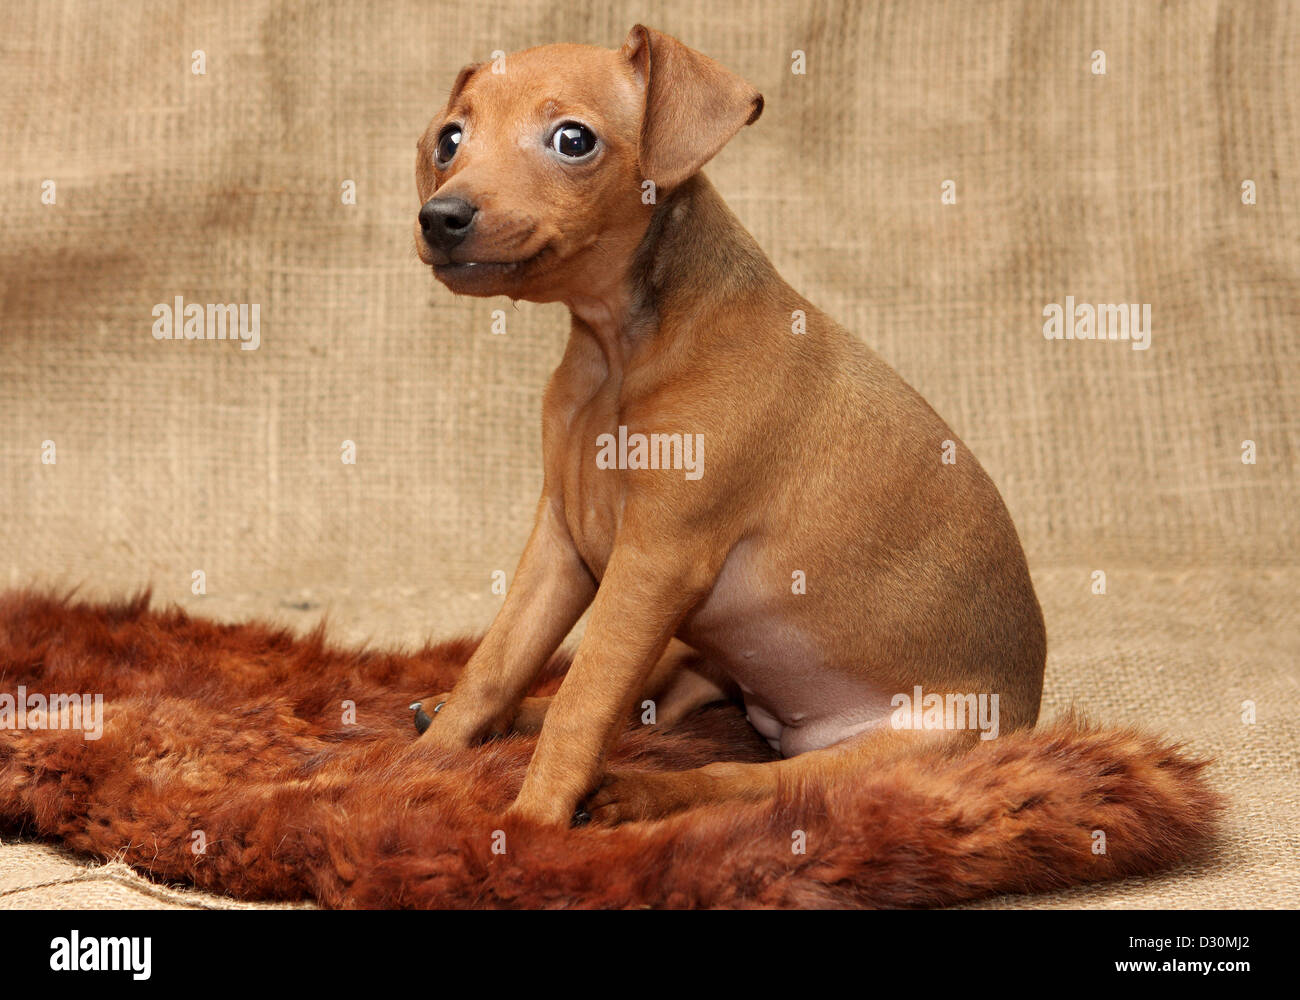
238, 731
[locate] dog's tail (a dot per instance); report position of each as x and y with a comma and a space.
1064, 805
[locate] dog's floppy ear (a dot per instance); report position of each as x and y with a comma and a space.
693, 105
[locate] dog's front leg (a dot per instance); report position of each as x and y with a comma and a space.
643, 596
551, 589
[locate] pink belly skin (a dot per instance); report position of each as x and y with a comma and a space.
802, 733
796, 699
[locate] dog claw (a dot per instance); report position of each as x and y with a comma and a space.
424, 719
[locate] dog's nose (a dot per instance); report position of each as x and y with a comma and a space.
445, 222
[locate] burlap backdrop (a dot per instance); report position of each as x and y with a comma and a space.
226, 187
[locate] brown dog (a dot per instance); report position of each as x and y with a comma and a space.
742, 491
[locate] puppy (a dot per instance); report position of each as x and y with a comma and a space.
747, 497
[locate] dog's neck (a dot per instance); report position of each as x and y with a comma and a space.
695, 251
694, 259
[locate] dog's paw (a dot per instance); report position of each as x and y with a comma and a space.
627, 796
456, 732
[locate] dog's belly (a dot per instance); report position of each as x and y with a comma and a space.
809, 732
796, 695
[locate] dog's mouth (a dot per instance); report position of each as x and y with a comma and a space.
487, 266
463, 273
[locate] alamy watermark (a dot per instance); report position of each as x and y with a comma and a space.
234, 321
1104, 321
919, 710
57, 711
651, 451
75, 953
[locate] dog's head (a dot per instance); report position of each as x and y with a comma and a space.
537, 179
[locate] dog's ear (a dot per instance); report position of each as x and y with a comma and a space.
693, 105
462, 78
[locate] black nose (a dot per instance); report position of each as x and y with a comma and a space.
445, 222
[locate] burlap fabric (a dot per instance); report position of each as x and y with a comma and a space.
229, 187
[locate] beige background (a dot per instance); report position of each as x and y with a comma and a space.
226, 187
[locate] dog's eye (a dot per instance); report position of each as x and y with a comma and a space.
448, 143
573, 140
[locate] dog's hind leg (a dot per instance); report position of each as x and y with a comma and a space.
637, 795
680, 683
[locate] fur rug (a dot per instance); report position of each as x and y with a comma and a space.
233, 739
